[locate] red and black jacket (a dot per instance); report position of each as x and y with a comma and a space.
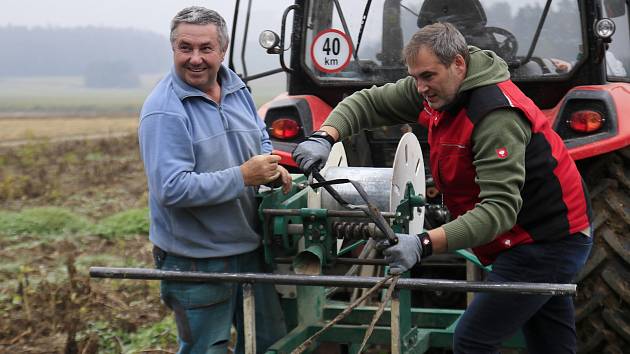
555, 201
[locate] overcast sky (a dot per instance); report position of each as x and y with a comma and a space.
153, 15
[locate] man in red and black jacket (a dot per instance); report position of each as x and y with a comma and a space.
516, 195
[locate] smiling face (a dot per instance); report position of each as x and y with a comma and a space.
436, 82
197, 54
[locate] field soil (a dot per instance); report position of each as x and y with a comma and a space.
48, 302
23, 130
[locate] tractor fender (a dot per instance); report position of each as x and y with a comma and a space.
614, 100
308, 110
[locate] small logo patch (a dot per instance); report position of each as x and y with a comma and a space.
502, 153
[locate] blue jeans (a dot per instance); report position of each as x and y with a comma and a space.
548, 322
205, 312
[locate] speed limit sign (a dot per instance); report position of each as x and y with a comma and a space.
331, 51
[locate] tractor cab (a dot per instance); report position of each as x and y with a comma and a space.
337, 48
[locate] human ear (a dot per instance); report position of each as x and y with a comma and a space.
460, 64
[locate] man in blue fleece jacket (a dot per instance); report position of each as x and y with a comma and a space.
205, 150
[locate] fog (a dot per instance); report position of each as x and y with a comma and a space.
153, 15
144, 15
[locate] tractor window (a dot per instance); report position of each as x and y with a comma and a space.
559, 46
366, 52
335, 31
618, 54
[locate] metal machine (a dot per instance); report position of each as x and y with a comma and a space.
319, 242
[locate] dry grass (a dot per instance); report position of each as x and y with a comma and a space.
20, 129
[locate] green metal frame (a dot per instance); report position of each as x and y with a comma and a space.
420, 329
295, 199
404, 211
430, 328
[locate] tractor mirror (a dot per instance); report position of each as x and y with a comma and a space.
615, 8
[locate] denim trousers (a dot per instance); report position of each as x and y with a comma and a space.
205, 312
548, 322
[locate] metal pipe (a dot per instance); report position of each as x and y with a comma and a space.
245, 31
340, 260
330, 213
283, 25
295, 229
234, 25
329, 280
249, 318
395, 323
262, 74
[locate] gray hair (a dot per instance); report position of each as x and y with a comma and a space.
197, 15
442, 38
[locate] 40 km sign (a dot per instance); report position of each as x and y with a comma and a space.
331, 51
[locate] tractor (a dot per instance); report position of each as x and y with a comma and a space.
571, 57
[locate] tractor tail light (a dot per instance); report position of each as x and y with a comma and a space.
285, 128
586, 121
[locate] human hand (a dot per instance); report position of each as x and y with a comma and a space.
287, 180
260, 169
284, 180
312, 152
403, 255
562, 66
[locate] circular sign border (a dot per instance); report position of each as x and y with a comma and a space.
350, 50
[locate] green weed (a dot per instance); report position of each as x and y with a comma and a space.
109, 339
161, 335
41, 221
126, 223
60, 221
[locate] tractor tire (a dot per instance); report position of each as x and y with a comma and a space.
603, 300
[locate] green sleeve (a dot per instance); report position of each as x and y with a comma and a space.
390, 104
500, 180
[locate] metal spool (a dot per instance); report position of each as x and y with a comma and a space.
385, 186
408, 167
376, 182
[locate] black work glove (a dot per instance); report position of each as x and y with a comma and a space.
312, 152
403, 255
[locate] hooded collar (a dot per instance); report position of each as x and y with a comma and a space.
484, 68
230, 82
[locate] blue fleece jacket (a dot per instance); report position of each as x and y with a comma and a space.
192, 148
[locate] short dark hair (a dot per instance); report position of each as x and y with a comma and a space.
442, 38
198, 15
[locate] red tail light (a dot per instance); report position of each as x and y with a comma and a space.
285, 128
586, 121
